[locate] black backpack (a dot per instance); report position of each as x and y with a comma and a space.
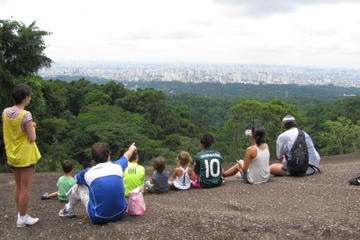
298, 159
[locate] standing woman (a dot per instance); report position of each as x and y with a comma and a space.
255, 169
21, 150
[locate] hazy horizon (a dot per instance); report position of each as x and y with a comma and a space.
84, 61
299, 33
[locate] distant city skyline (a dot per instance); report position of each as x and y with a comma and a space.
313, 33
204, 72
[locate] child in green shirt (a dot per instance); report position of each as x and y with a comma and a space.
134, 175
64, 183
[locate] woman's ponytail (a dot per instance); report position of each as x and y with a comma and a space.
258, 133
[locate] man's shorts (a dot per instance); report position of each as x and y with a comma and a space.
310, 171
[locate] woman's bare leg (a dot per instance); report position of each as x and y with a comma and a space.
232, 171
17, 175
27, 175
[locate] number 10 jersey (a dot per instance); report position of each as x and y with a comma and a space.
208, 164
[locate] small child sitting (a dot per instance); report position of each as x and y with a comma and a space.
134, 175
64, 183
160, 177
183, 174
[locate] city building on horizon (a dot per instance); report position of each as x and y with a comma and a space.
196, 73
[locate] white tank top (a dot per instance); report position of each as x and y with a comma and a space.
259, 170
183, 182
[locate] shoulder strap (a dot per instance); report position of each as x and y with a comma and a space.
22, 115
315, 168
301, 132
301, 136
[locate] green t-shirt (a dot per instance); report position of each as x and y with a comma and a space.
208, 164
134, 176
64, 184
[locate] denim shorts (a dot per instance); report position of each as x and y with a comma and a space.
243, 176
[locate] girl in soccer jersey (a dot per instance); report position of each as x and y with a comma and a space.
208, 164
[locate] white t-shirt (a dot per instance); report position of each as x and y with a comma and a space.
286, 140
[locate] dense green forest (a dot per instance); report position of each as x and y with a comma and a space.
248, 91
72, 115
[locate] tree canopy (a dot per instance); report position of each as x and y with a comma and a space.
72, 115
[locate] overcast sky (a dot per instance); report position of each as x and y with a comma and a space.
291, 32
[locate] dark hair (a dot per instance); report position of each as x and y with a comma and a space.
258, 132
66, 166
134, 157
290, 124
207, 140
100, 152
184, 159
20, 92
159, 164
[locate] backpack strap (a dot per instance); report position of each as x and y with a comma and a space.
315, 168
301, 136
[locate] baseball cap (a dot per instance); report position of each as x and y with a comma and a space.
289, 118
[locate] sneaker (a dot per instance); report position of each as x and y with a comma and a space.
26, 221
45, 196
355, 181
67, 213
238, 175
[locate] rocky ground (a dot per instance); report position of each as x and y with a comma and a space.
316, 207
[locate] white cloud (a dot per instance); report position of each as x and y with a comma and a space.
3, 2
143, 35
263, 8
196, 31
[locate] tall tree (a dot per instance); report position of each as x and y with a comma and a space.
21, 55
22, 48
251, 113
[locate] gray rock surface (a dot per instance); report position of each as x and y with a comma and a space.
316, 207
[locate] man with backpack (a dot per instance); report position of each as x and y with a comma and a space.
296, 152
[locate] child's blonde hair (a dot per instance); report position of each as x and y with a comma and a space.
184, 159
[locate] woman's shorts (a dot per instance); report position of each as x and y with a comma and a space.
243, 176
30, 166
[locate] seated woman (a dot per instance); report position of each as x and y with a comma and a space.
255, 169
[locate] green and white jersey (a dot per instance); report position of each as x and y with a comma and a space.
208, 164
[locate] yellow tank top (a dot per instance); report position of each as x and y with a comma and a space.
20, 151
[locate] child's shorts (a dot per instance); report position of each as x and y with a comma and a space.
173, 188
